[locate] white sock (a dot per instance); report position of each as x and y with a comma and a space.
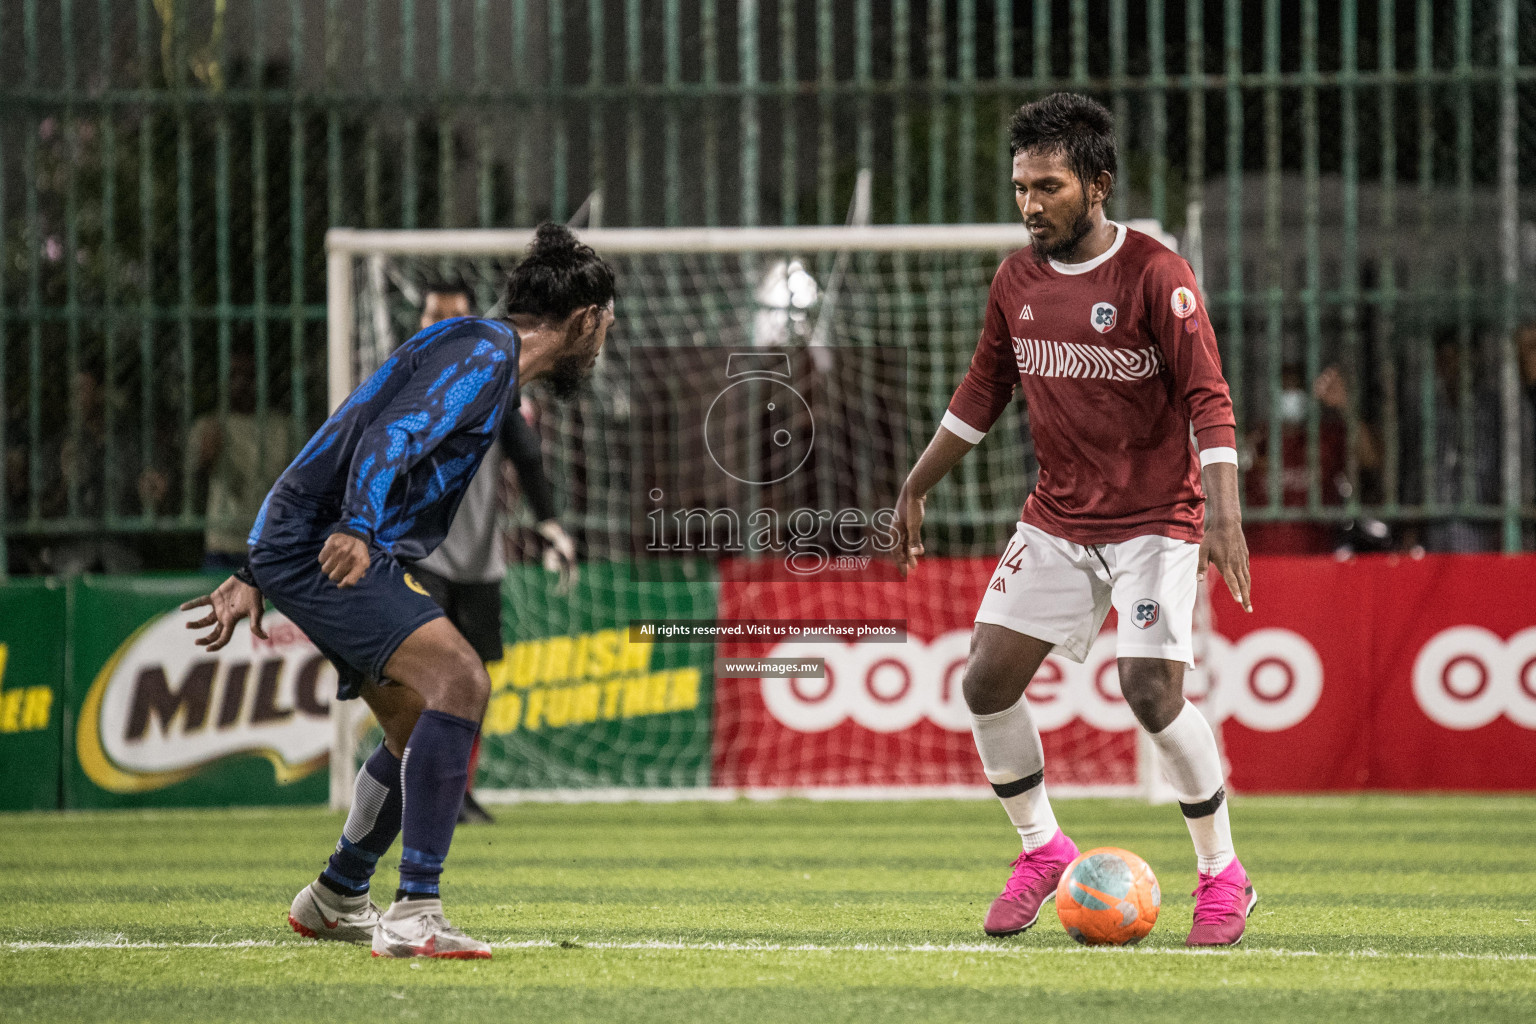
1012, 757
1192, 765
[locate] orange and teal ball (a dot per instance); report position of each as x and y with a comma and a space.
1108, 897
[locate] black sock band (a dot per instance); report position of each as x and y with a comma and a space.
1017, 786
1204, 808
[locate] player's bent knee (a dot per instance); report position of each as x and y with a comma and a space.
980, 687
1148, 709
1154, 690
476, 684
1000, 666
993, 684
460, 686
438, 663
397, 708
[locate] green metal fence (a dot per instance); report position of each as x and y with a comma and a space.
1352, 180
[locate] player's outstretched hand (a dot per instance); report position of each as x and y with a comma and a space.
909, 530
229, 604
1226, 549
344, 559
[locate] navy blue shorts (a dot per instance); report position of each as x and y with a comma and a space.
358, 628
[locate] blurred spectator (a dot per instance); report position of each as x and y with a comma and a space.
1525, 354
1525, 350
81, 465
1332, 394
1453, 446
242, 455
16, 478
20, 553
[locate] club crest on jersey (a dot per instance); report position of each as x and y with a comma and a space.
1144, 613
1103, 317
1183, 302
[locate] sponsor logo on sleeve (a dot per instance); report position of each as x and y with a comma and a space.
1182, 301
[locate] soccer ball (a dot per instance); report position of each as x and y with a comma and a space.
1108, 897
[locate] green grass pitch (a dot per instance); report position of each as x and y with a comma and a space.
1371, 909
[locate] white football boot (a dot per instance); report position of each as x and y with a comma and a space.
319, 913
418, 928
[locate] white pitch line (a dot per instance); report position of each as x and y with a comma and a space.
27, 947
754, 947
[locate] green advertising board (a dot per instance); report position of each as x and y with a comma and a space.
107, 701
32, 704
157, 721
577, 703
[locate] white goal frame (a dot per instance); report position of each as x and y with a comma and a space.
344, 245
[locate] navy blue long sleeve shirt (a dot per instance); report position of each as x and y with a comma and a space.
391, 464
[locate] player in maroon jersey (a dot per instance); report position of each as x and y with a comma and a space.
1104, 329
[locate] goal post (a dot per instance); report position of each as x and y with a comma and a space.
752, 374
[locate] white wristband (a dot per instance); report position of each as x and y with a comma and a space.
1212, 455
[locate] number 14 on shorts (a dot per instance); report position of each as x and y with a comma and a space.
1012, 560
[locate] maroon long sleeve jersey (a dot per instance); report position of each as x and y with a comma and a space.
1117, 360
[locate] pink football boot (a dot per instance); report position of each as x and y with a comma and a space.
1222, 905
1033, 882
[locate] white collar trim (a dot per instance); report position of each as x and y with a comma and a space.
1101, 258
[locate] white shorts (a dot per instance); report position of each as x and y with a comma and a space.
1060, 592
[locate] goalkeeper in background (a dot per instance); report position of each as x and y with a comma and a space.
464, 574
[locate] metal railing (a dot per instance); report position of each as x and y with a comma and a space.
1347, 178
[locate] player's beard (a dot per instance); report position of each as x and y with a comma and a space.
569, 374
571, 370
1075, 233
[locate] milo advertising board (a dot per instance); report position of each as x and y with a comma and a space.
32, 644
160, 721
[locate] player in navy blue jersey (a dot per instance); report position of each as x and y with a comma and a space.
376, 486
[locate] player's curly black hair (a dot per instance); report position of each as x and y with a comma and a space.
1078, 128
558, 276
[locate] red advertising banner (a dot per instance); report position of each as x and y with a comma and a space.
1426, 674
1376, 673
892, 714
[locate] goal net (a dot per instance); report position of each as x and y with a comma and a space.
729, 478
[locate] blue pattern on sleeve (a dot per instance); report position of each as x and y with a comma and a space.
393, 461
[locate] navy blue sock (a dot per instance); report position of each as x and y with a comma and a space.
434, 772
371, 826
